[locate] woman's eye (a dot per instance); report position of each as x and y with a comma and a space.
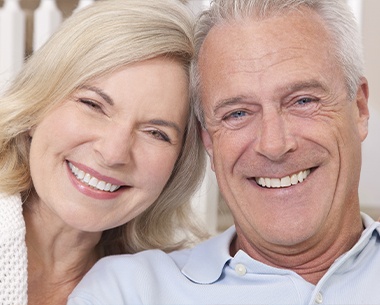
89, 103
160, 135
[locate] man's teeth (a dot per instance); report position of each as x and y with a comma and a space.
92, 181
283, 182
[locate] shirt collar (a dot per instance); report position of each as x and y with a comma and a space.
206, 261
367, 220
371, 228
205, 265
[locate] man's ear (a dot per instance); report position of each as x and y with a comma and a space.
207, 142
362, 105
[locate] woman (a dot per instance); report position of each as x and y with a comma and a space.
99, 147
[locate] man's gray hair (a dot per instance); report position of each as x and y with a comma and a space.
336, 14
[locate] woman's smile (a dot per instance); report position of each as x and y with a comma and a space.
92, 181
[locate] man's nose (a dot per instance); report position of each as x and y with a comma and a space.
275, 139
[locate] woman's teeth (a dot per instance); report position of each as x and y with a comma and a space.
283, 182
92, 181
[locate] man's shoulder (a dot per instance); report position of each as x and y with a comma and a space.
147, 259
115, 279
129, 276
154, 262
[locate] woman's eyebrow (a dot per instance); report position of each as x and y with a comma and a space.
100, 92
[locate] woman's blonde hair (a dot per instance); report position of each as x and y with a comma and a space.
96, 41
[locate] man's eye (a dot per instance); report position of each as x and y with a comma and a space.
236, 114
304, 101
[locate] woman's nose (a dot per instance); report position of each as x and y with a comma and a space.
114, 146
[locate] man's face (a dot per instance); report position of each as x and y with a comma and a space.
283, 136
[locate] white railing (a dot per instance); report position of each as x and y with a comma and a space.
47, 17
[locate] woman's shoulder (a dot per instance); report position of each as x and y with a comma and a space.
13, 259
10, 211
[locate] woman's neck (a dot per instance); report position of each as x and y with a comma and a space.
58, 256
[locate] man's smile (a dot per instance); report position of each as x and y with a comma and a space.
284, 181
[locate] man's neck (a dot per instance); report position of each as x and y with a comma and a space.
310, 260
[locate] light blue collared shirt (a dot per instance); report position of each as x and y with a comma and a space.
207, 274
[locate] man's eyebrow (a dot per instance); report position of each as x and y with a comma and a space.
165, 123
100, 92
311, 84
296, 86
230, 102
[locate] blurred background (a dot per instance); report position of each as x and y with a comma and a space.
26, 24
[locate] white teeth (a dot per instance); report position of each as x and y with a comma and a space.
101, 185
87, 178
283, 182
300, 177
294, 179
92, 181
275, 182
114, 188
107, 187
80, 175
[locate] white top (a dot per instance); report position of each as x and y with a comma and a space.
13, 256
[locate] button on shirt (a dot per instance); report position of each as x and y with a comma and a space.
240, 269
207, 274
319, 298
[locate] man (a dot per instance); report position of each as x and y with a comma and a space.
283, 103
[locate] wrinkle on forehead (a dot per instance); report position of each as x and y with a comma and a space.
307, 24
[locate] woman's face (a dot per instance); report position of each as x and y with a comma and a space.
105, 154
